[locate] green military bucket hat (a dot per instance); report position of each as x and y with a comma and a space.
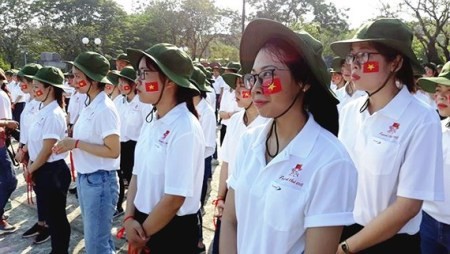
259, 31
122, 57
429, 84
198, 78
233, 66
127, 73
113, 77
170, 59
230, 78
390, 32
50, 75
93, 65
336, 64
29, 70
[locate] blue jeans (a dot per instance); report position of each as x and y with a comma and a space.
97, 194
434, 236
8, 180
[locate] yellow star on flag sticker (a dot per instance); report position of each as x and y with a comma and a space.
370, 67
272, 86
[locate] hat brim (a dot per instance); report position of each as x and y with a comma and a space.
135, 55
230, 79
202, 88
46, 81
259, 31
429, 84
96, 77
342, 48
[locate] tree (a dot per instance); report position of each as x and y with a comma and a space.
432, 28
295, 11
14, 20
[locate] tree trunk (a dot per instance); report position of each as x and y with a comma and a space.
432, 53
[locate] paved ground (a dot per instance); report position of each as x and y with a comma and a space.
23, 216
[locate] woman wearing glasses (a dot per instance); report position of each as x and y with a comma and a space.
164, 193
293, 184
394, 140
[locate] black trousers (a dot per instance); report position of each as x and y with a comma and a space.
52, 183
400, 243
17, 111
126, 168
182, 232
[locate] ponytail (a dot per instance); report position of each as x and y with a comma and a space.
186, 95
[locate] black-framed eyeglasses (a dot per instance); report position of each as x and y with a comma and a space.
361, 57
141, 74
263, 78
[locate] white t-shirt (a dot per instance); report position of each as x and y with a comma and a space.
397, 151
169, 159
440, 211
344, 97
218, 84
228, 103
5, 106
49, 123
310, 183
236, 127
27, 118
76, 104
211, 99
208, 122
16, 92
426, 97
96, 122
132, 116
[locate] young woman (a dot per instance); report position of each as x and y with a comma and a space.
8, 180
208, 123
95, 147
164, 193
239, 123
348, 92
436, 215
386, 133
112, 87
27, 118
132, 115
293, 183
49, 171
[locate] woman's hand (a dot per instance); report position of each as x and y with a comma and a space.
64, 145
28, 176
19, 155
135, 234
220, 205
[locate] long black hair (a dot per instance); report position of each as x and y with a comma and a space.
58, 93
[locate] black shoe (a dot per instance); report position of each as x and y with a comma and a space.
43, 236
34, 230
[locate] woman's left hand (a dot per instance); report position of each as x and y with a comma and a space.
64, 145
28, 176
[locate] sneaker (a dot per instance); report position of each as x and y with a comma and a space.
6, 228
43, 236
34, 230
118, 213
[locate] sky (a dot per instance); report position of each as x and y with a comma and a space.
360, 10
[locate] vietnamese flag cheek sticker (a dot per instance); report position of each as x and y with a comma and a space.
126, 88
82, 83
24, 86
271, 88
371, 67
245, 94
38, 92
108, 87
151, 86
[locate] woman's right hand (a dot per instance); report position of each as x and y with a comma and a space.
220, 205
19, 155
135, 233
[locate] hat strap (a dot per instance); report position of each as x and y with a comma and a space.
366, 103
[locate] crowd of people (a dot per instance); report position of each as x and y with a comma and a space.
350, 158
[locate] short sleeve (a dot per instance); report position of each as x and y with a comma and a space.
332, 195
53, 127
108, 122
240, 158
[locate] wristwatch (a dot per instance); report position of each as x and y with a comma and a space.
345, 248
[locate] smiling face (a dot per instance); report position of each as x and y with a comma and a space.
277, 91
442, 98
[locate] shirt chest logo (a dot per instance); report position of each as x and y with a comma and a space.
391, 131
294, 176
162, 140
